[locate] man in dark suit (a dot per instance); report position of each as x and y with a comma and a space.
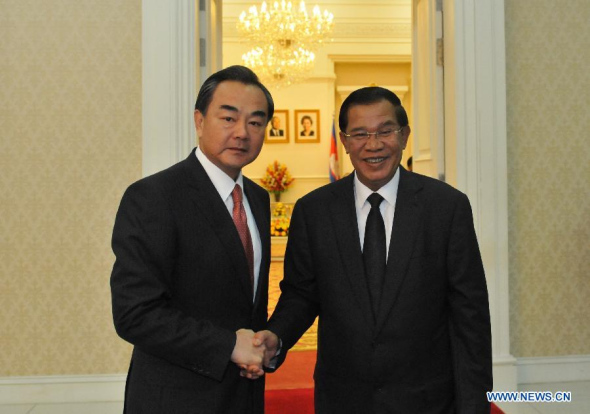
192, 246
389, 261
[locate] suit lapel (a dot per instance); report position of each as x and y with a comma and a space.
213, 209
260, 210
406, 222
344, 223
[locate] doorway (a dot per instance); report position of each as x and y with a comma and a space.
475, 118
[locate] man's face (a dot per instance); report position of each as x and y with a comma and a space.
375, 160
232, 132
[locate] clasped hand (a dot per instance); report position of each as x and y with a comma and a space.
253, 351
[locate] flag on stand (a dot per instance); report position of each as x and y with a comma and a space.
334, 175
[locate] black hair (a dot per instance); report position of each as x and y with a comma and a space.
371, 95
306, 117
232, 73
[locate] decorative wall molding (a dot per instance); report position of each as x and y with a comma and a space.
372, 29
385, 58
62, 389
98, 388
335, 3
169, 82
428, 83
321, 78
504, 372
536, 370
399, 90
476, 69
345, 30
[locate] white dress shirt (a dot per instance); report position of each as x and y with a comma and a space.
224, 185
387, 207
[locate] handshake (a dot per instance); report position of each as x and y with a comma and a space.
253, 352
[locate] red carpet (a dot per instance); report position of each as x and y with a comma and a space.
496, 410
295, 373
290, 389
298, 401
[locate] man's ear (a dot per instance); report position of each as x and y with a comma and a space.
199, 121
405, 136
344, 141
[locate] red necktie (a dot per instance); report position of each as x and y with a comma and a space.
241, 222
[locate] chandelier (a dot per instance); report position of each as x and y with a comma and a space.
283, 40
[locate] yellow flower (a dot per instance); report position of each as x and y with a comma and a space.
276, 179
281, 220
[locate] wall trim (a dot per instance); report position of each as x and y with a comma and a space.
62, 389
399, 90
389, 58
475, 80
568, 368
168, 82
111, 387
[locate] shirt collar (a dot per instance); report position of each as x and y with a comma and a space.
388, 191
223, 183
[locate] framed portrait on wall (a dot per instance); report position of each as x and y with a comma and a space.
277, 131
307, 125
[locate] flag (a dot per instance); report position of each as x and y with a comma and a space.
334, 175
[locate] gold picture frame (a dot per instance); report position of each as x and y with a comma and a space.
307, 126
280, 134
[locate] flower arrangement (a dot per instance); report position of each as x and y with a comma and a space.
277, 179
280, 220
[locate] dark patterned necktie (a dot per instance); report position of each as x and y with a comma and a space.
374, 253
241, 222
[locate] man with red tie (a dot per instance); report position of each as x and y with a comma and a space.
192, 246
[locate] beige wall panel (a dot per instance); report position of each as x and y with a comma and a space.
70, 143
549, 164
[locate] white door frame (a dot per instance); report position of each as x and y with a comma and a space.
475, 118
181, 47
428, 148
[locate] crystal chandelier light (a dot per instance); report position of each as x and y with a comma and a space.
283, 40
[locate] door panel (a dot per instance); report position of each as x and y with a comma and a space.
428, 87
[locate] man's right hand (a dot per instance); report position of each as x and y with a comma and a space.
267, 341
245, 353
270, 342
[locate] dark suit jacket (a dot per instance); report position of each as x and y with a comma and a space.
280, 133
181, 288
429, 350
